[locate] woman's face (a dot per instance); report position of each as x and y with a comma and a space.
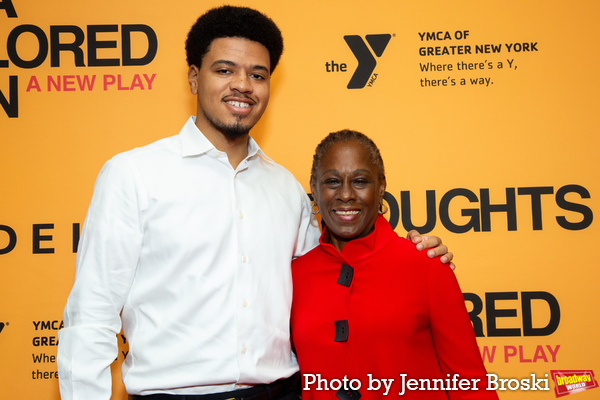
348, 191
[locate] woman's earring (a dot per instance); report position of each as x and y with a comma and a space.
315, 205
385, 208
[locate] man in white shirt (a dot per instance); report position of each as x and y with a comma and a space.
188, 242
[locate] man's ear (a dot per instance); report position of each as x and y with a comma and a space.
193, 79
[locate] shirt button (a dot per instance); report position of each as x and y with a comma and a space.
244, 259
244, 349
241, 215
245, 303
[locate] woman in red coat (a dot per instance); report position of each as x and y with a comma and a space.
372, 317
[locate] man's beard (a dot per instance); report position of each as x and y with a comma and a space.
233, 131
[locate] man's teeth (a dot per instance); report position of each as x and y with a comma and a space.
238, 104
347, 212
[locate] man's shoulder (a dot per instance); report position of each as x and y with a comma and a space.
145, 158
169, 144
278, 173
142, 158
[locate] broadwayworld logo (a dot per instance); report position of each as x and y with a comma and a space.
366, 61
1, 326
573, 381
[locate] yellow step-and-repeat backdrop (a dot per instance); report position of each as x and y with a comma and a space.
486, 114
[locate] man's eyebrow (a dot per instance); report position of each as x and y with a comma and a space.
226, 62
261, 68
232, 64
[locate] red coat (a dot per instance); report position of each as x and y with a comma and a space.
402, 313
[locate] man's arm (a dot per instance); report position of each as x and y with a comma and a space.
435, 245
106, 260
308, 232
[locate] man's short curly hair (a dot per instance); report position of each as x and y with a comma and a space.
229, 21
347, 135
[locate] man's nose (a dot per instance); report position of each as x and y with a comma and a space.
241, 83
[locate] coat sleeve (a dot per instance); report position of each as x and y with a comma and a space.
106, 260
453, 335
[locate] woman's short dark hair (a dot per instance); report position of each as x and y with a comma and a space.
229, 21
347, 135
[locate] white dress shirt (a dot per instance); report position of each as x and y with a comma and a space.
194, 258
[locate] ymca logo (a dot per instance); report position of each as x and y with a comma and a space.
366, 61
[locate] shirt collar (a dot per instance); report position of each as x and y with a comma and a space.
358, 250
194, 143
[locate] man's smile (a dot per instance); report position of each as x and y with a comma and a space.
238, 104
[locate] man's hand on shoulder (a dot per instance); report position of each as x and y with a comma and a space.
435, 246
